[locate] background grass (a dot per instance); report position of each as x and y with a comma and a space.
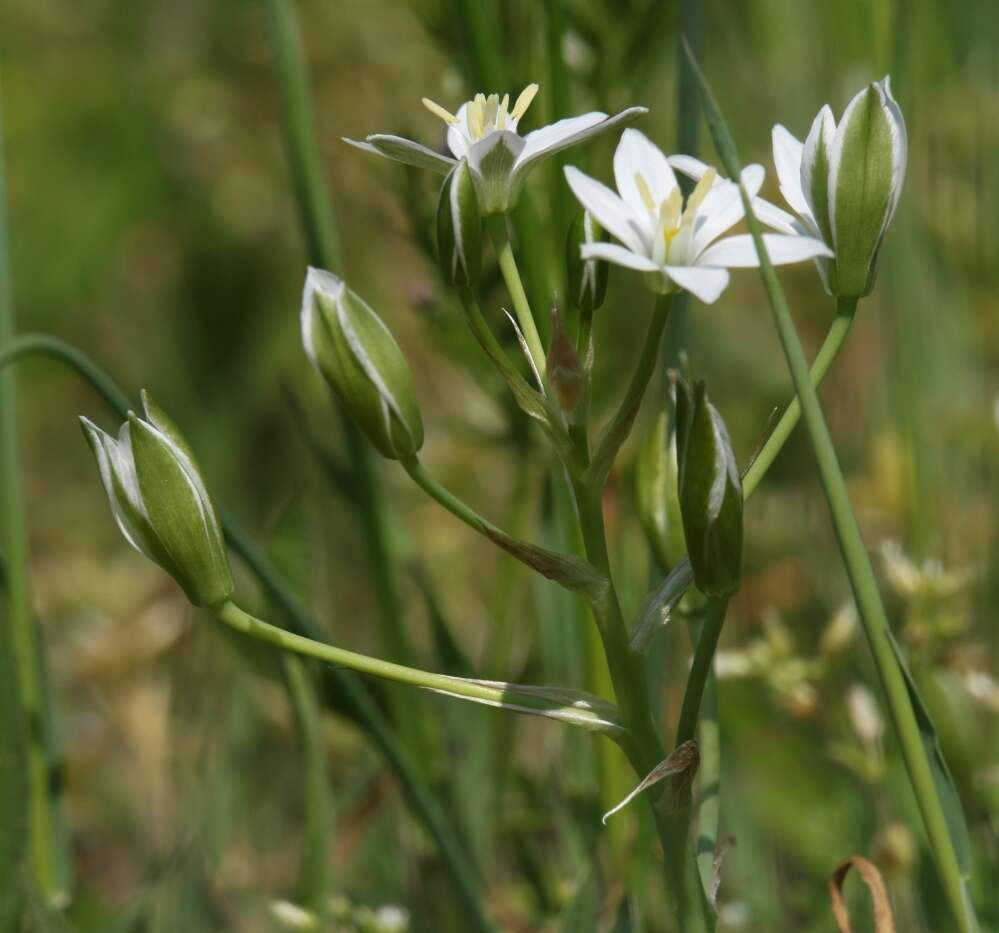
153, 223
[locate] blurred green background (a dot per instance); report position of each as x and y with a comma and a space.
153, 223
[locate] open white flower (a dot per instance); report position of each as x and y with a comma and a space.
671, 241
484, 131
843, 184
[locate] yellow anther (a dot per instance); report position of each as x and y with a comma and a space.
501, 112
438, 111
476, 124
644, 193
489, 112
699, 193
669, 215
524, 101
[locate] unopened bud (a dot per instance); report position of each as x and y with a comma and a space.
852, 174
710, 492
160, 502
357, 355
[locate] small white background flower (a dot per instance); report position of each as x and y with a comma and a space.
484, 131
675, 242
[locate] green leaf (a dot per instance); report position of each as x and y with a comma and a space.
947, 792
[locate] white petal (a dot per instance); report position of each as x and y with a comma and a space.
611, 252
752, 178
405, 151
775, 217
821, 134
787, 161
689, 166
900, 143
610, 211
549, 139
703, 283
457, 138
637, 155
317, 281
721, 209
740, 251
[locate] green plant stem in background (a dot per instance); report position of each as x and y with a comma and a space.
514, 285
620, 425
368, 714
854, 553
314, 880
315, 208
20, 636
782, 431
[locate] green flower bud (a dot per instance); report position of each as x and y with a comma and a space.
587, 278
857, 170
160, 502
710, 492
355, 352
459, 228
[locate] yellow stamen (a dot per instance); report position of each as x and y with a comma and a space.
644, 193
502, 112
476, 124
438, 111
669, 215
524, 101
698, 195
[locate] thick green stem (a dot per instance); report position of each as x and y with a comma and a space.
514, 285
46, 862
369, 715
829, 350
617, 431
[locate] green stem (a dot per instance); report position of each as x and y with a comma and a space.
829, 350
487, 340
488, 693
866, 593
853, 551
301, 145
617, 431
514, 285
315, 863
42, 821
704, 654
369, 715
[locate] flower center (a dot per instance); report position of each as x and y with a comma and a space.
670, 214
484, 115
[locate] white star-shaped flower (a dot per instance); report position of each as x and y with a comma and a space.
672, 241
484, 131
